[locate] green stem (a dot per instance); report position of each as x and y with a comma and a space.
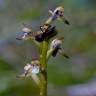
49, 54
43, 74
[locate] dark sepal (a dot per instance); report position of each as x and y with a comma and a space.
67, 22
55, 52
49, 33
65, 55
39, 38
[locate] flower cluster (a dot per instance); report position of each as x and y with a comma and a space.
47, 31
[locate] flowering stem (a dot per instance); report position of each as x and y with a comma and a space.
43, 74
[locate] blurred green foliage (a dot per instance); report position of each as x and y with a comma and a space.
79, 44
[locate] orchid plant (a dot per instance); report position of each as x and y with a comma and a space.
37, 68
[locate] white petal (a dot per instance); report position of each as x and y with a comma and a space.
25, 29
27, 67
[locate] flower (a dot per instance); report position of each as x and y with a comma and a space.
26, 33
55, 47
56, 43
32, 68
59, 14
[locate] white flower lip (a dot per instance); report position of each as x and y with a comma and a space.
25, 29
35, 69
56, 43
